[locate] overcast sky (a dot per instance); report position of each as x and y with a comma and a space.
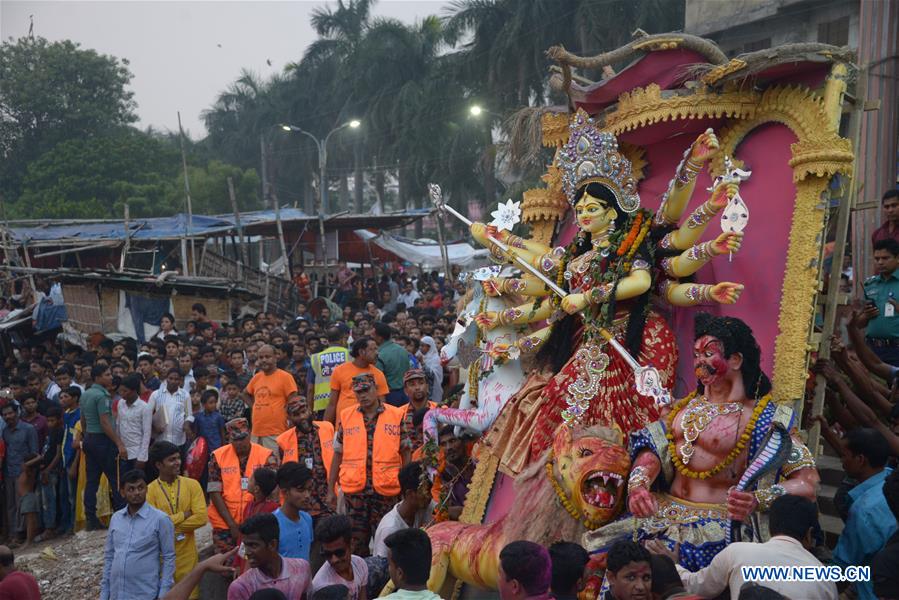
183, 54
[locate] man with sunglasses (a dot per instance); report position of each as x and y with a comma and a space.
370, 448
340, 566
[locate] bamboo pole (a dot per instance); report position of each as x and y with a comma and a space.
243, 248
187, 262
833, 101
127, 245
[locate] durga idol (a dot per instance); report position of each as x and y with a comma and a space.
686, 465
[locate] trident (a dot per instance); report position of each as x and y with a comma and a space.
646, 379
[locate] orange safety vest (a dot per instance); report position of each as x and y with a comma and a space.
408, 406
386, 458
287, 441
235, 498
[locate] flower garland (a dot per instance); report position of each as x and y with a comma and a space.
632, 235
731, 457
569, 507
628, 259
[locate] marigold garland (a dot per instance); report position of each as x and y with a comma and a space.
632, 234
636, 245
731, 457
570, 508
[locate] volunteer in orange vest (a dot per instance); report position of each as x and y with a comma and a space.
309, 443
268, 393
364, 352
415, 386
230, 468
369, 449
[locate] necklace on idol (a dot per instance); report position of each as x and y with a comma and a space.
696, 417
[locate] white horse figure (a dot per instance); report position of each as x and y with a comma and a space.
503, 377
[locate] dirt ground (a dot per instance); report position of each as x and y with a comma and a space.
70, 567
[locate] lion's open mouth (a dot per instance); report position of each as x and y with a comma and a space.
602, 488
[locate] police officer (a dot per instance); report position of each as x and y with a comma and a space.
318, 380
882, 290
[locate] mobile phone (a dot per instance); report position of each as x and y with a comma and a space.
869, 302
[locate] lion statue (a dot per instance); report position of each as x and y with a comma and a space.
578, 485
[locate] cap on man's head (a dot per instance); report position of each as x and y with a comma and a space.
413, 374
363, 382
237, 429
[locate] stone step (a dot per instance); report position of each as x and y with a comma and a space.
826, 495
830, 469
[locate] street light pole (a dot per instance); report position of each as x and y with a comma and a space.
322, 147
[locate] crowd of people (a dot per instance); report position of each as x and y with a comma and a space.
314, 419
298, 439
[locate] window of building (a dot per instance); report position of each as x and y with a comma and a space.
757, 45
834, 32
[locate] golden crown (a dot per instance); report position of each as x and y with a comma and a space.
592, 156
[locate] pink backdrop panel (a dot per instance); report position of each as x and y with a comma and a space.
761, 262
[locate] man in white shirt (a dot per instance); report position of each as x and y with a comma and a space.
414, 510
134, 423
409, 295
792, 520
186, 365
172, 413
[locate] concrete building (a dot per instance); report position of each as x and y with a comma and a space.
871, 28
739, 26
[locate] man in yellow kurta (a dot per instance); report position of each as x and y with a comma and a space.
182, 499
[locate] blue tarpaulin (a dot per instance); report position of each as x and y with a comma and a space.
152, 229
160, 228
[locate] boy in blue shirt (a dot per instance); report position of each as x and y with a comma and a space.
209, 423
295, 540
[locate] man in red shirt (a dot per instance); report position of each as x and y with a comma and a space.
14, 584
890, 227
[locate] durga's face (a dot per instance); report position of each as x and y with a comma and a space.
593, 214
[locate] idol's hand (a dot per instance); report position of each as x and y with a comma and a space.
740, 504
705, 146
496, 234
492, 287
642, 503
487, 320
573, 303
727, 243
723, 193
478, 230
726, 292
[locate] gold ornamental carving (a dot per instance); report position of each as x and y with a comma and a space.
657, 44
650, 105
724, 70
554, 126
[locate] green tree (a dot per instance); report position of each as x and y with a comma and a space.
94, 176
209, 189
52, 92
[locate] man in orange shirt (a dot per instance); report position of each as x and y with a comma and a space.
370, 448
268, 393
364, 353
